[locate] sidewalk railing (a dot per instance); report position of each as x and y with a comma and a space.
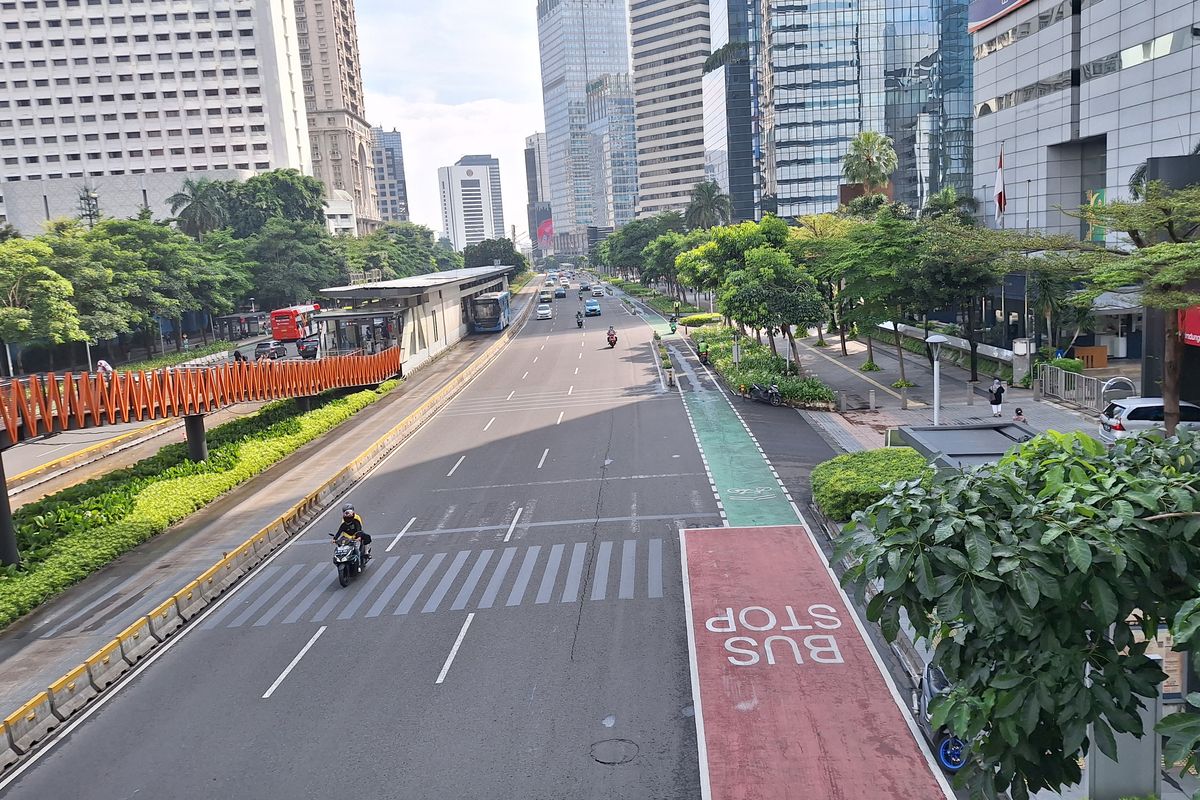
1082, 391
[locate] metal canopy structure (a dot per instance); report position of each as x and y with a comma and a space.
962, 446
414, 287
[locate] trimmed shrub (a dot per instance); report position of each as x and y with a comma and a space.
698, 320
1068, 364
68, 535
760, 365
856, 481
173, 359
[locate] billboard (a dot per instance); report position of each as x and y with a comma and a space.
1189, 326
984, 12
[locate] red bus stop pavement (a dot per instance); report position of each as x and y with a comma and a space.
791, 698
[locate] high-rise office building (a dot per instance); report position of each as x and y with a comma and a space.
537, 185
670, 46
579, 41
333, 96
614, 147
899, 67
469, 194
492, 165
387, 154
731, 124
126, 101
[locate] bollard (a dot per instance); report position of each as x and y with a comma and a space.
1037, 390
871, 399
193, 425
842, 401
904, 399
970, 393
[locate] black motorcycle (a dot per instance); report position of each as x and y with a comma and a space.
612, 340
764, 394
704, 357
579, 321
347, 557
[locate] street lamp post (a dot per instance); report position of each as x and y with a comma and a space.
935, 343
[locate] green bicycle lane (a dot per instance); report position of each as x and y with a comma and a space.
749, 489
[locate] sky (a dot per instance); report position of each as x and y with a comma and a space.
455, 78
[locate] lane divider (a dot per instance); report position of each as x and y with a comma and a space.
31, 724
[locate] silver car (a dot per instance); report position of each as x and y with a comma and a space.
544, 311
1130, 416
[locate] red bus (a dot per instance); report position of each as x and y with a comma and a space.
293, 323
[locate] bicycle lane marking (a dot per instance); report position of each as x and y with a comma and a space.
788, 689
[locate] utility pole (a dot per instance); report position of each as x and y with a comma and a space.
89, 206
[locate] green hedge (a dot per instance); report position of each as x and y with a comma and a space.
856, 481
1068, 364
698, 320
173, 359
760, 365
68, 535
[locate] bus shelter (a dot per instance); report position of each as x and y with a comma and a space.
233, 327
359, 332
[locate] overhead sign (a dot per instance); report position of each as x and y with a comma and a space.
787, 691
984, 12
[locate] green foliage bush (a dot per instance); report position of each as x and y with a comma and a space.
760, 365
173, 359
1068, 364
856, 481
698, 320
65, 537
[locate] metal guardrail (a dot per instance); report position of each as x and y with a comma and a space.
1083, 391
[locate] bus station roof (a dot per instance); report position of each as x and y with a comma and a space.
415, 285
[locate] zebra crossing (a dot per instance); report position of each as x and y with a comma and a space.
460, 580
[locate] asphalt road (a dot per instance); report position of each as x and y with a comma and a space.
520, 632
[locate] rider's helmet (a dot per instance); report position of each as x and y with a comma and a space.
348, 510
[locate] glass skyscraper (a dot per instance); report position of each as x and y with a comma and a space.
833, 69
614, 147
579, 41
388, 157
731, 120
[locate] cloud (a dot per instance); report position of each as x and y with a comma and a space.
455, 79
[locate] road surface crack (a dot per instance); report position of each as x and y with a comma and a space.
587, 574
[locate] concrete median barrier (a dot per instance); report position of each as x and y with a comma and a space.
106, 665
228, 573
136, 641
71, 692
210, 584
8, 756
31, 723
246, 556
190, 601
165, 620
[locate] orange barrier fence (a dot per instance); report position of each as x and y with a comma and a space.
50, 403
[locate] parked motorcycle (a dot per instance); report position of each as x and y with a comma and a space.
347, 557
951, 751
704, 357
764, 394
612, 340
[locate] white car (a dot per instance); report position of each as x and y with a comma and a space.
598, 292
545, 311
1130, 416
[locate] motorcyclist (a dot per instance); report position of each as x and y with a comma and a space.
612, 333
352, 528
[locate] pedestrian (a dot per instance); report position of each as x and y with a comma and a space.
996, 397
186, 344
1020, 416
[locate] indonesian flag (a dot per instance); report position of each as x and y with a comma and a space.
1001, 200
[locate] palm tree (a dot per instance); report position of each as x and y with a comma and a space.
709, 207
870, 161
199, 207
949, 203
1137, 181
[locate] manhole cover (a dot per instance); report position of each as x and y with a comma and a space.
614, 751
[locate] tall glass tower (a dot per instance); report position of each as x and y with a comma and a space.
731, 119
832, 69
579, 41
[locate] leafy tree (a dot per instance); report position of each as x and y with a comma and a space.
1165, 228
814, 243
709, 207
489, 251
281, 193
877, 265
660, 255
871, 160
291, 261
1031, 579
772, 293
35, 301
7, 231
625, 246
949, 203
867, 207
201, 205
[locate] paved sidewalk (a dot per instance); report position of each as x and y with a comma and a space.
962, 403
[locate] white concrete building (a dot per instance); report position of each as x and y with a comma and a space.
1072, 142
341, 217
128, 99
671, 42
470, 195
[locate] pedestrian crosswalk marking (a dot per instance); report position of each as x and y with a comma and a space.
449, 581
